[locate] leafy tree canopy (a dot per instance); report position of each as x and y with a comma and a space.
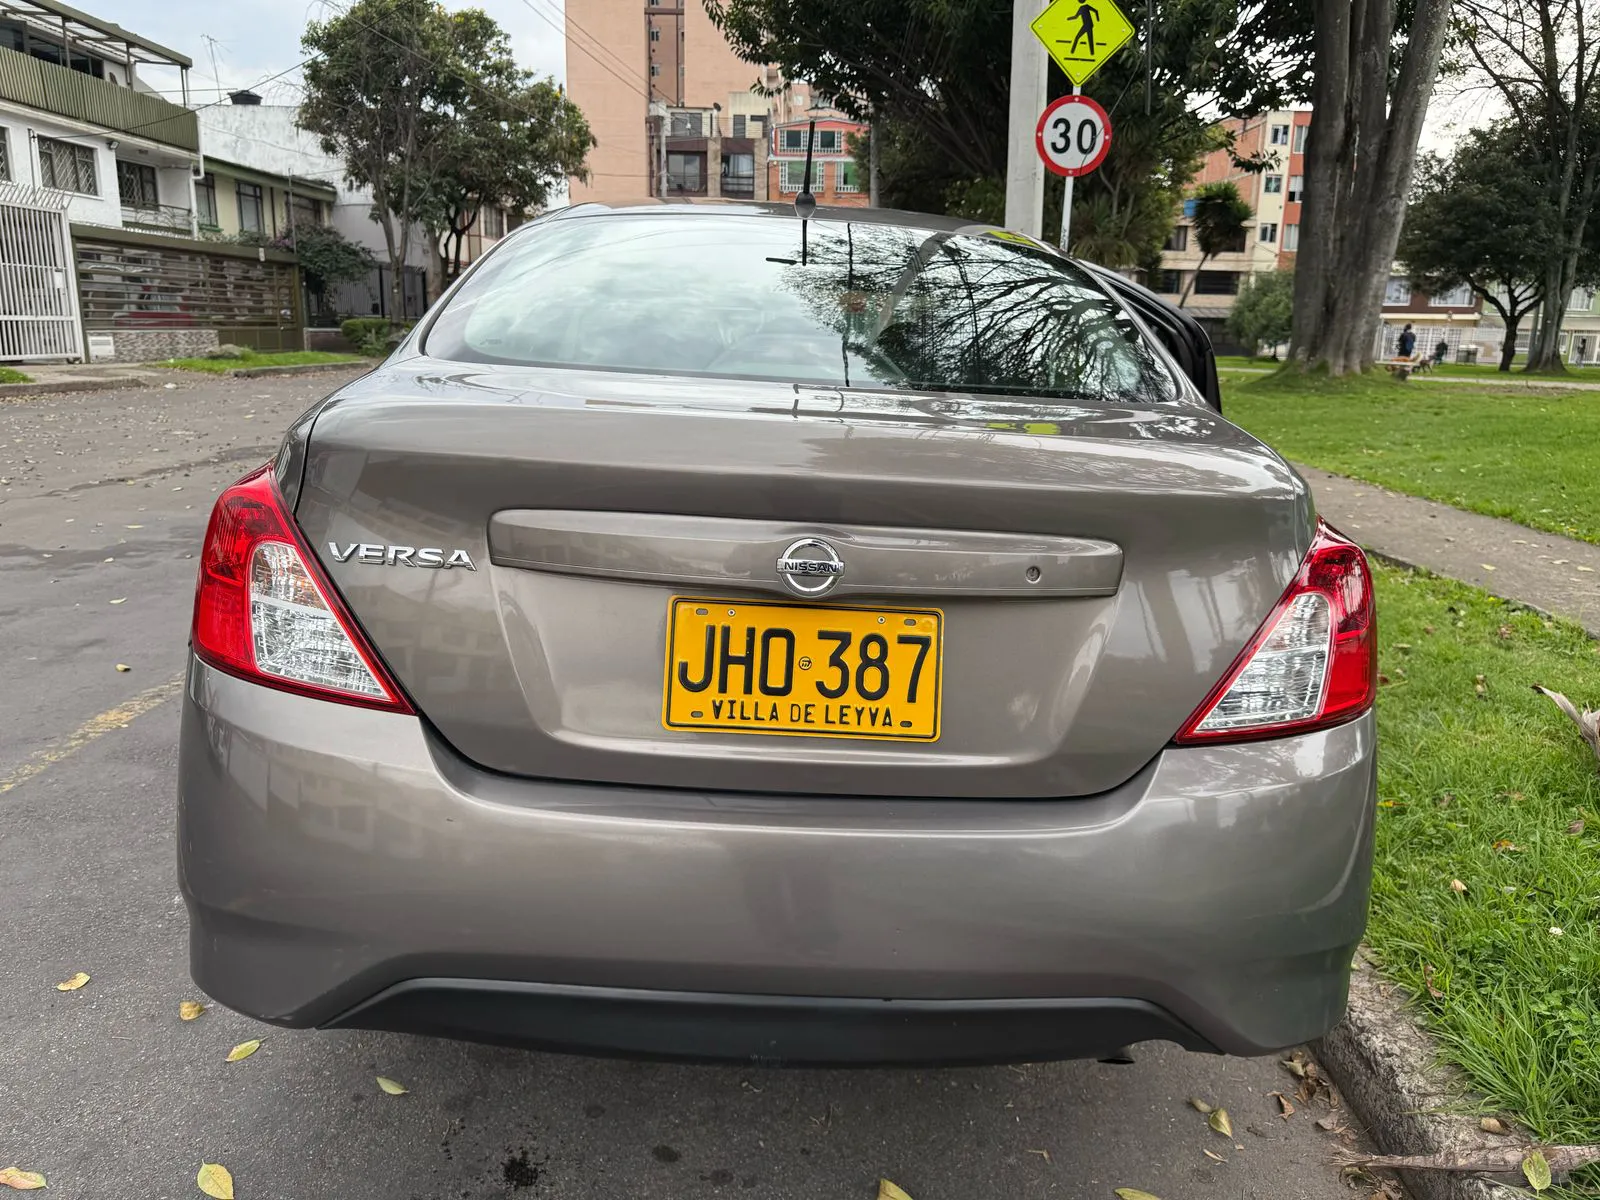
1263, 311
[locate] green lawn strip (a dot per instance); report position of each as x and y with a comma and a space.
12, 375
285, 358
1483, 788
1525, 454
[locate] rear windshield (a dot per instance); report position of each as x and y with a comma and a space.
823, 302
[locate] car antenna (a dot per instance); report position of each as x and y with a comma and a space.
805, 204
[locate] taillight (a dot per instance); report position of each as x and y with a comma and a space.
263, 609
1314, 661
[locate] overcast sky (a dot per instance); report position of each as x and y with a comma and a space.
258, 38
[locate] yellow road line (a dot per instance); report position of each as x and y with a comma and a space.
119, 717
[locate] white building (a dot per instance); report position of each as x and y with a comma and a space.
77, 119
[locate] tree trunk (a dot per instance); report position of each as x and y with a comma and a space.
1508, 349
1544, 349
1359, 160
1193, 279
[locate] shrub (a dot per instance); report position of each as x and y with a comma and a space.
369, 335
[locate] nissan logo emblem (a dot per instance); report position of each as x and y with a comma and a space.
810, 567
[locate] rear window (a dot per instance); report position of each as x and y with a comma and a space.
833, 303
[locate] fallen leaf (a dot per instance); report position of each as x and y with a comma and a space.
1403, 647
1285, 1109
1576, 827
1134, 1194
123, 600
1212, 1154
19, 1180
1536, 1170
1486, 566
1493, 1125
190, 1009
215, 1180
124, 668
1586, 570
391, 1087
1295, 1067
1555, 931
1328, 1123
244, 1050
1044, 1154
1457, 886
891, 1191
1504, 633
1505, 844
1384, 680
1428, 629
73, 984
1446, 799
1479, 686
133, 526
1199, 1105
1218, 1120
1427, 978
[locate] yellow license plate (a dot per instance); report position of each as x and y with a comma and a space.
750, 666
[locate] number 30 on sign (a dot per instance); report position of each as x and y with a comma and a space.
1073, 135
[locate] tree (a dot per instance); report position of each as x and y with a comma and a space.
1263, 311
514, 137
406, 92
1483, 218
327, 257
1543, 58
1373, 70
1220, 213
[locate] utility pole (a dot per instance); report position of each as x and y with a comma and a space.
1029, 75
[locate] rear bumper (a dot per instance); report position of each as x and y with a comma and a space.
342, 866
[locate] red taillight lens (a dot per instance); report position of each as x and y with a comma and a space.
1314, 661
263, 609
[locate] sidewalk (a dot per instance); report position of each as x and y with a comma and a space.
1544, 571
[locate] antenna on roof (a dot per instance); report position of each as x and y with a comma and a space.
805, 203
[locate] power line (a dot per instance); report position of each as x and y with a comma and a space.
597, 60
222, 99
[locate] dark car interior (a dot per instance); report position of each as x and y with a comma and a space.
1184, 337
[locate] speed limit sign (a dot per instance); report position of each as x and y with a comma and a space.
1073, 136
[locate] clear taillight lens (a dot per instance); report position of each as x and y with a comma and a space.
295, 635
1314, 661
264, 611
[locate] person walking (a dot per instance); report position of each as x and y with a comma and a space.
1406, 345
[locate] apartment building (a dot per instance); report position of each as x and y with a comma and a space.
1270, 238
678, 116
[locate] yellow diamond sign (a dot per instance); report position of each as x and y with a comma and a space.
1082, 35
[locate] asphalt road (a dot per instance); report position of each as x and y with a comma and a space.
103, 501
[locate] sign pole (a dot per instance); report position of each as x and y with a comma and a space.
1066, 200
1029, 74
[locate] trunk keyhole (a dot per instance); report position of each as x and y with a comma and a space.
1033, 574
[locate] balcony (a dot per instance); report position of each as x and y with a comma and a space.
158, 218
67, 93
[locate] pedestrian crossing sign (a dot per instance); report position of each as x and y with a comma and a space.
1082, 35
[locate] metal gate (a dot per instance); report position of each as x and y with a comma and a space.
38, 288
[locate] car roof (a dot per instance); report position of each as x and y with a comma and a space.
779, 210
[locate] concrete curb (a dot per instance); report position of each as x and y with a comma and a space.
45, 388
1388, 1070
298, 369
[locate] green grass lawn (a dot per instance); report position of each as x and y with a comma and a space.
1525, 454
1481, 780
284, 358
12, 375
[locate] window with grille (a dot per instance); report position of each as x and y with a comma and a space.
67, 167
791, 175
846, 177
136, 185
5, 153
738, 174
794, 139
830, 140
251, 211
738, 125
